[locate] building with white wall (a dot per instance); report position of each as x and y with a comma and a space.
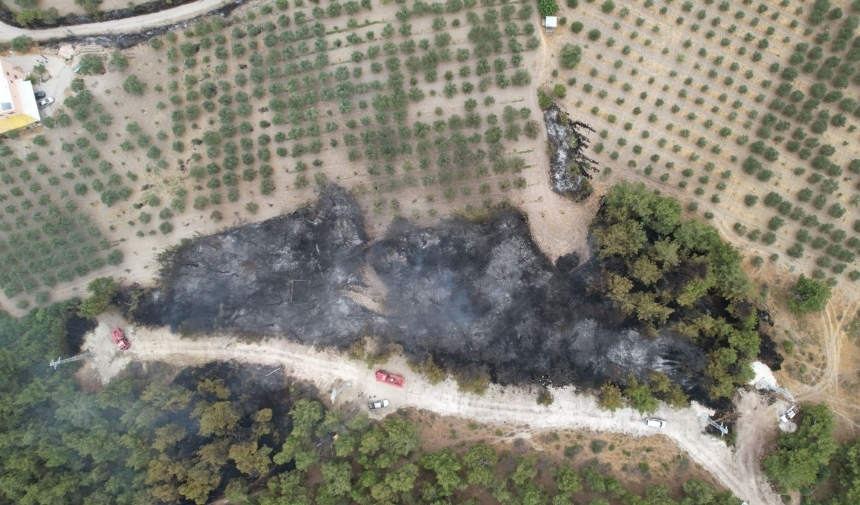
18, 107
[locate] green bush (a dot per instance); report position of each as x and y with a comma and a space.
91, 65
571, 55
119, 61
808, 295
545, 397
21, 44
114, 257
597, 445
133, 85
547, 7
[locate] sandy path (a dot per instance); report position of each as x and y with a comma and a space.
509, 405
127, 25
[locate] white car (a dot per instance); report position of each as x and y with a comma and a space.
45, 102
378, 404
790, 413
653, 422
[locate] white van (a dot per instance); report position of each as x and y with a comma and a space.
653, 422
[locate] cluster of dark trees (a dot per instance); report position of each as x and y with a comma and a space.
664, 272
382, 463
143, 439
811, 458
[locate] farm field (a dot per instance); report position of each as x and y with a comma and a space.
745, 111
420, 111
224, 122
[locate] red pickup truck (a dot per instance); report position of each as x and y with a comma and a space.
390, 378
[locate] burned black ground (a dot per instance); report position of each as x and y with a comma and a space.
280, 277
570, 169
469, 294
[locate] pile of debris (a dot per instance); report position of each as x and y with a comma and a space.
570, 168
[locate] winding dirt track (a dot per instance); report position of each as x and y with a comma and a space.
127, 25
511, 406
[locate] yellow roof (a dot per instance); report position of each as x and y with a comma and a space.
14, 122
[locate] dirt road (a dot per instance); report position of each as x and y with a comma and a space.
127, 25
509, 406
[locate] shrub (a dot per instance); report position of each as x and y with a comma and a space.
119, 61
775, 223
547, 7
545, 397
21, 44
91, 65
114, 257
133, 85
836, 210
809, 295
571, 55
772, 199
597, 446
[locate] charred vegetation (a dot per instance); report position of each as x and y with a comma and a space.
463, 295
280, 277
570, 168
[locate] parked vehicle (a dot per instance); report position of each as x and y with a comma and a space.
119, 339
390, 378
39, 95
789, 414
653, 422
45, 102
379, 404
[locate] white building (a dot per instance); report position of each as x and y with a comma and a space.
18, 106
550, 23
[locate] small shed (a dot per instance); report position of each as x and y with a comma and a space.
550, 22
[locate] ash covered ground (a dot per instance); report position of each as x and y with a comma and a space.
279, 277
469, 294
570, 169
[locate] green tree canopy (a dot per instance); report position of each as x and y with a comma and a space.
570, 55
654, 263
808, 295
103, 290
547, 7
848, 473
801, 456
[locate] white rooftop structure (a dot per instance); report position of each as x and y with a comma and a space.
550, 23
18, 106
